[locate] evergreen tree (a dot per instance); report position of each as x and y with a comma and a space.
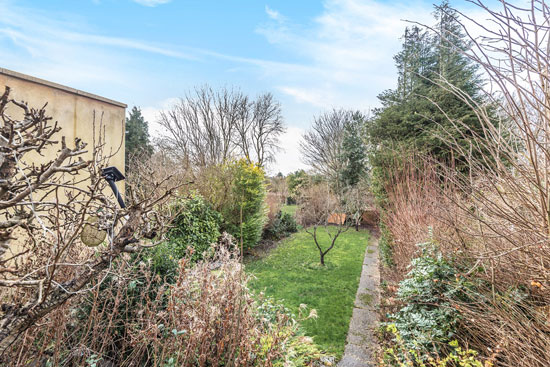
412, 115
354, 152
413, 62
137, 135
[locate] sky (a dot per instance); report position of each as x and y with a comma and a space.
313, 55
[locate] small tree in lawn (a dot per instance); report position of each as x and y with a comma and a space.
319, 207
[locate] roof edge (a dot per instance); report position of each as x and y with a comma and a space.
64, 88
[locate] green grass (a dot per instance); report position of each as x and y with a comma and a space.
291, 273
290, 209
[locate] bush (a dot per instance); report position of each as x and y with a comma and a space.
249, 191
282, 226
237, 189
428, 321
234, 186
399, 355
205, 318
296, 182
196, 226
300, 350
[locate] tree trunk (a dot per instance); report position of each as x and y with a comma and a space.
322, 259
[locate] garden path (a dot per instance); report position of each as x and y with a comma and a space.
361, 347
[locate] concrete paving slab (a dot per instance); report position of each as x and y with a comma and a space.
362, 346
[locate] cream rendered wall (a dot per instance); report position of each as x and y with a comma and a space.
74, 112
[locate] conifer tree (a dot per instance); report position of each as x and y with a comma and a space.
137, 135
416, 114
413, 62
354, 152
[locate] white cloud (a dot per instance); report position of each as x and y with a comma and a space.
314, 97
152, 115
152, 3
347, 53
349, 49
288, 159
57, 45
274, 14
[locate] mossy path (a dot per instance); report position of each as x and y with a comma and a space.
361, 347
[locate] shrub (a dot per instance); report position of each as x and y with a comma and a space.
196, 226
282, 226
399, 355
249, 191
204, 318
296, 182
384, 245
300, 350
237, 190
428, 321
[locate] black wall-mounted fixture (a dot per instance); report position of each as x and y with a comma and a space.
112, 174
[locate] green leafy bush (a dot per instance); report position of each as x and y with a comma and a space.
237, 189
196, 226
428, 320
398, 355
245, 200
282, 226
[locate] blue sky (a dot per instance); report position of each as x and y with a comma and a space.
312, 55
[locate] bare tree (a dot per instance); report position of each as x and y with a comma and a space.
209, 127
258, 135
201, 127
321, 147
357, 199
45, 208
320, 208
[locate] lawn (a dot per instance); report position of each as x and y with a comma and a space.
290, 209
291, 273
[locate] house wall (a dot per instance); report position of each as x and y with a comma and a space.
74, 111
